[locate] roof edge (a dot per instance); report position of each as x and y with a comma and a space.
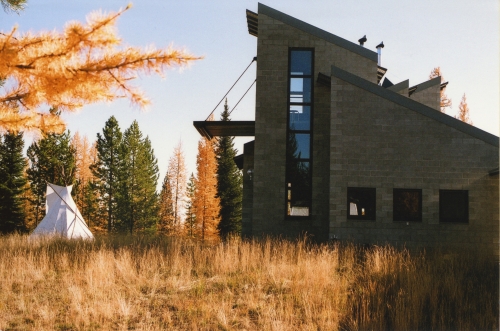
425, 85
311, 29
415, 106
400, 86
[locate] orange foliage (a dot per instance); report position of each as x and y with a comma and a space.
64, 71
177, 177
463, 111
85, 156
206, 204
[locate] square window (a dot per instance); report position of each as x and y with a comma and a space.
407, 205
361, 203
454, 206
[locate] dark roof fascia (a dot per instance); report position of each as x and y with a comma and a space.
415, 106
210, 129
308, 28
399, 86
425, 85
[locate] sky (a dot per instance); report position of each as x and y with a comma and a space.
460, 36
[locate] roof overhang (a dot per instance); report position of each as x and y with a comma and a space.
253, 23
210, 129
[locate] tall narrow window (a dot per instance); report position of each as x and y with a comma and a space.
299, 129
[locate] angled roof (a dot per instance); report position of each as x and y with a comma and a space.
308, 28
399, 86
425, 85
415, 106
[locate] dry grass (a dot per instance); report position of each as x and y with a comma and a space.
153, 283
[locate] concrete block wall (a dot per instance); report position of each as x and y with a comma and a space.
429, 93
274, 40
378, 143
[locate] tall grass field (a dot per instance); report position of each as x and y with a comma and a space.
158, 283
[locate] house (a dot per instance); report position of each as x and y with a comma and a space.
340, 154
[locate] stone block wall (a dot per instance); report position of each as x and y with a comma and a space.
274, 40
378, 143
429, 93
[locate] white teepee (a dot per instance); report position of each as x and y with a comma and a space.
62, 215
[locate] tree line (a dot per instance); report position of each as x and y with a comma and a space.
114, 183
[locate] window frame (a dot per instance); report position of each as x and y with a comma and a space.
398, 218
289, 131
442, 219
370, 216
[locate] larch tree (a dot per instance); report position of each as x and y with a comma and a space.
52, 72
190, 220
445, 102
51, 160
13, 5
229, 184
206, 202
137, 198
166, 219
108, 166
177, 178
463, 111
12, 183
84, 190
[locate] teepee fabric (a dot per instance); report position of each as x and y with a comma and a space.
62, 215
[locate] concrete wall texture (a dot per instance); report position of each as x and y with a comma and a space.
363, 138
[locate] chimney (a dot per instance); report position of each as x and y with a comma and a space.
379, 52
362, 41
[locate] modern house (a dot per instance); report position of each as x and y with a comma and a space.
341, 153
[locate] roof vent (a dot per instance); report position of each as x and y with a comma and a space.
379, 52
362, 41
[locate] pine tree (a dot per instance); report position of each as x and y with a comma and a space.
229, 184
445, 101
166, 219
52, 160
177, 179
190, 223
463, 111
12, 183
138, 201
13, 5
81, 65
108, 166
206, 202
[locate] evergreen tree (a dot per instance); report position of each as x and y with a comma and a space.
166, 218
138, 200
206, 202
12, 183
52, 160
190, 224
229, 184
107, 167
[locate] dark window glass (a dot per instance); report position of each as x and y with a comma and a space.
454, 206
361, 203
299, 145
301, 62
298, 188
300, 117
407, 205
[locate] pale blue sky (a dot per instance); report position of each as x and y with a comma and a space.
460, 36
